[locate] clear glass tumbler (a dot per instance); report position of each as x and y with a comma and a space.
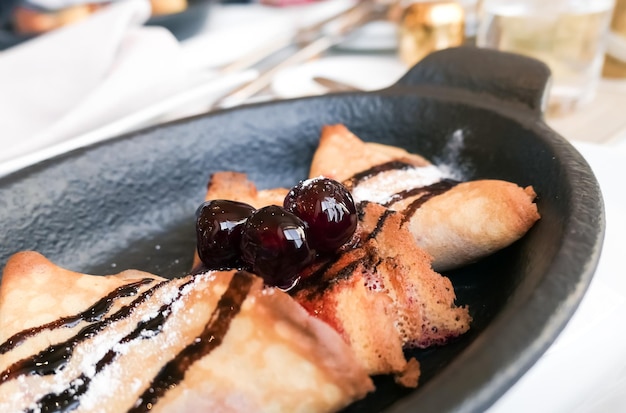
568, 35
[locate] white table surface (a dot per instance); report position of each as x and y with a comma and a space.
585, 370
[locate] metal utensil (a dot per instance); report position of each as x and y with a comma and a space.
302, 36
335, 85
338, 28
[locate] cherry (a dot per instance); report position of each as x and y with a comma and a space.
328, 209
219, 225
275, 247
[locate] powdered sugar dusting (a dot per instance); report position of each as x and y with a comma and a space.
116, 340
450, 162
303, 185
107, 379
102, 383
381, 187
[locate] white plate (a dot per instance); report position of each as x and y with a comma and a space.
363, 72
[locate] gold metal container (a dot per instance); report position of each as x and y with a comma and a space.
615, 58
427, 26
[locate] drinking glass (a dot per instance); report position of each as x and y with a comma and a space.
568, 35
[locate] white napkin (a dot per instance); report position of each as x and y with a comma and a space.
108, 73
74, 78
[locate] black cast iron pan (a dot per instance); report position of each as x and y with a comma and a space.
130, 202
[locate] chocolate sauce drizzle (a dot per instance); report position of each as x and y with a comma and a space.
56, 356
93, 313
326, 281
320, 280
68, 399
214, 332
357, 178
380, 224
429, 192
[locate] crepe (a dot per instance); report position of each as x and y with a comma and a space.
383, 291
383, 296
379, 291
216, 341
457, 223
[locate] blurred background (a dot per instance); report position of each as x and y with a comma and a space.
102, 67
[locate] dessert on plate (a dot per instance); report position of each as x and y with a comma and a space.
455, 222
296, 297
380, 290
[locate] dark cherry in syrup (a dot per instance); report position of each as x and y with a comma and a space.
275, 247
328, 209
219, 226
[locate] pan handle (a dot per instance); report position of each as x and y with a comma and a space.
505, 76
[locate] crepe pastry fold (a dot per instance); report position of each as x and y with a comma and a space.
455, 222
383, 296
216, 341
382, 292
379, 291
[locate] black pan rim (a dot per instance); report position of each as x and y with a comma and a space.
587, 208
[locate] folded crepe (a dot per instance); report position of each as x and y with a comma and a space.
216, 341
